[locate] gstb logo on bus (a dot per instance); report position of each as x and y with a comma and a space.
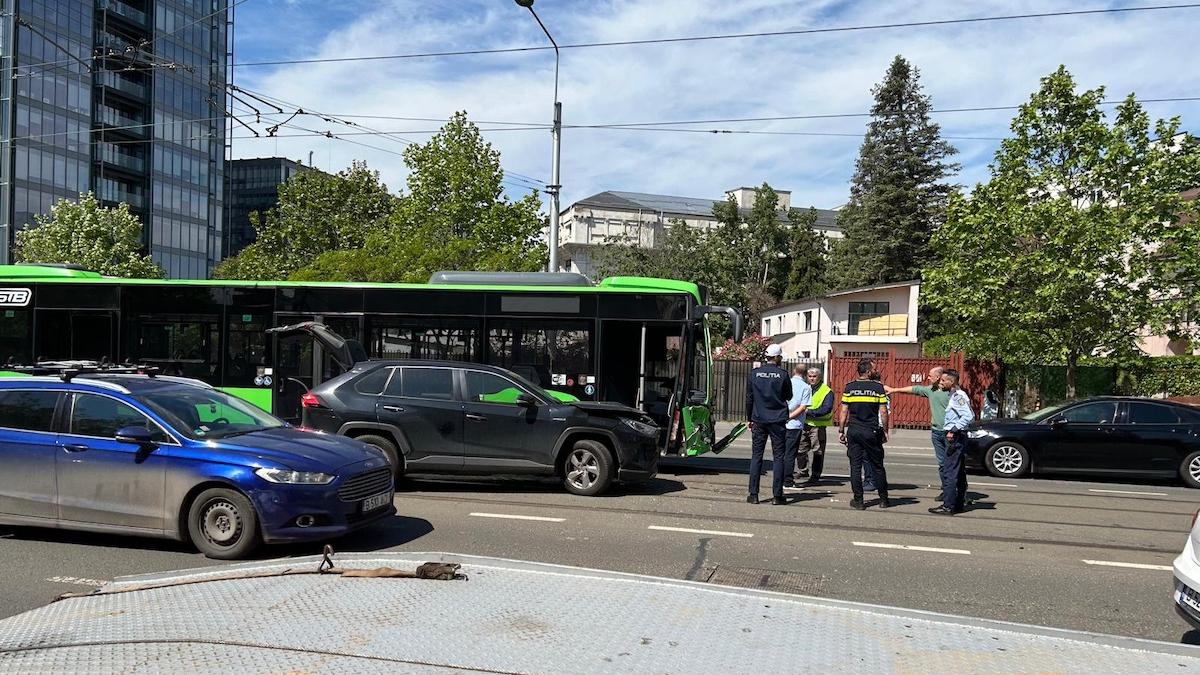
15, 297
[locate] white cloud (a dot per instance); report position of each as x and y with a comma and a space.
996, 63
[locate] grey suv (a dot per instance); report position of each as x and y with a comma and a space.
449, 417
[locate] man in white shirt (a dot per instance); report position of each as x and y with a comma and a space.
797, 407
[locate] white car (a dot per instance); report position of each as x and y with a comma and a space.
1187, 577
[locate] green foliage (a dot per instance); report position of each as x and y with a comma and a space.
807, 257
104, 240
454, 217
316, 213
1157, 376
1078, 241
898, 194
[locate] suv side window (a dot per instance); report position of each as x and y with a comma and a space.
489, 388
28, 410
427, 383
372, 383
101, 417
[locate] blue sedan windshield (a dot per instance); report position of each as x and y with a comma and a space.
207, 413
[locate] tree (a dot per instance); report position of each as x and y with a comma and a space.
807, 253
454, 217
898, 194
316, 213
104, 240
1080, 239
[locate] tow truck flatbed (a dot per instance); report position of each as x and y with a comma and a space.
522, 617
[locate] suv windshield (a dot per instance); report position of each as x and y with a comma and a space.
207, 413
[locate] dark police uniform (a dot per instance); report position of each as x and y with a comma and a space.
864, 436
768, 390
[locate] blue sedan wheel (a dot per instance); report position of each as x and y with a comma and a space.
222, 524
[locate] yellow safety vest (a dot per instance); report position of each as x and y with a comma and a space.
818, 398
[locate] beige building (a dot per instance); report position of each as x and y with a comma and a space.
640, 219
869, 321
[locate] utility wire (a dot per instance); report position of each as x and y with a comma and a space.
726, 36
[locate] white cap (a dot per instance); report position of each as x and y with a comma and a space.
773, 351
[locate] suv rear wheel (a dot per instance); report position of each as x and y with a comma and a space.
222, 524
387, 447
588, 468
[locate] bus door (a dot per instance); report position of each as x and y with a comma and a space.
77, 334
304, 358
639, 366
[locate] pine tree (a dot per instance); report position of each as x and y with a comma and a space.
806, 256
898, 194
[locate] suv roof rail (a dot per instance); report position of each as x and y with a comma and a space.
67, 370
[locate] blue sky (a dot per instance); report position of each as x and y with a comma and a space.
971, 65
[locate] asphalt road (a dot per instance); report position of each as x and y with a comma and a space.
1068, 553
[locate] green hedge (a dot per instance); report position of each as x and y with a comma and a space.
1169, 375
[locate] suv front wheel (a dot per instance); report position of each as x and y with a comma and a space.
588, 468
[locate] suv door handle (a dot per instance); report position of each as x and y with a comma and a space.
75, 447
393, 408
476, 418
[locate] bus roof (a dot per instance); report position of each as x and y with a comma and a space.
51, 274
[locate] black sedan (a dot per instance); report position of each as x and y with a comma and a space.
1104, 435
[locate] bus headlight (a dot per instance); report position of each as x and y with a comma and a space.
640, 427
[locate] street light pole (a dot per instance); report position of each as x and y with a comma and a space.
555, 185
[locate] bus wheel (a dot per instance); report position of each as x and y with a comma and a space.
387, 447
588, 468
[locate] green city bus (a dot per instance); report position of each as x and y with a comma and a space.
637, 341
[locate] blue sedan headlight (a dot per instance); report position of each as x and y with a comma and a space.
289, 477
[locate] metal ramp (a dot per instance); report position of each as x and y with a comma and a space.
519, 617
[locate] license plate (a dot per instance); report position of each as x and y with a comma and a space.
1188, 597
377, 501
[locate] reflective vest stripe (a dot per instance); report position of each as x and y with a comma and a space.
817, 399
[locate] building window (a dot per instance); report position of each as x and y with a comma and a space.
861, 312
767, 330
808, 320
806, 354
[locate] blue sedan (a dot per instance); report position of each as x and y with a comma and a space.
172, 457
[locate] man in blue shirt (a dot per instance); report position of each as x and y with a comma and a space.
797, 407
954, 471
768, 391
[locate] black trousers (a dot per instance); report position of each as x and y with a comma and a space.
758, 446
864, 446
954, 474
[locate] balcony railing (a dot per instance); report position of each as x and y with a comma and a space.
114, 118
112, 194
115, 81
871, 325
117, 7
109, 154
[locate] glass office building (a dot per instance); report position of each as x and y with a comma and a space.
252, 185
125, 98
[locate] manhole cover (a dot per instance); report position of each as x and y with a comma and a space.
801, 583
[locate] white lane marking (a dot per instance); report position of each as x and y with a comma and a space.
924, 466
906, 547
970, 483
509, 516
1136, 566
77, 581
1129, 492
689, 530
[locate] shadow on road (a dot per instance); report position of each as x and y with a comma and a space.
1192, 637
517, 485
385, 534
76, 538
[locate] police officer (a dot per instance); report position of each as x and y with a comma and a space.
954, 471
768, 390
864, 411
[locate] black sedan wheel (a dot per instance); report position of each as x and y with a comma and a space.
1007, 459
1189, 470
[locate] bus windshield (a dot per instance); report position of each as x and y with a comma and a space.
207, 413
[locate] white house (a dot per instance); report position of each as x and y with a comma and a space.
869, 321
637, 218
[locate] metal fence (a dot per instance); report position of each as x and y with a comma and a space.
729, 385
